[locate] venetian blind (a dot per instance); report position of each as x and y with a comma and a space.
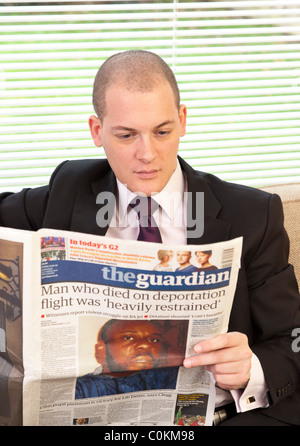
237, 64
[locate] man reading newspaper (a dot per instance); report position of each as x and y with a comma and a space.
139, 122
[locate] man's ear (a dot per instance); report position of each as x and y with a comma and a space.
100, 353
182, 119
95, 129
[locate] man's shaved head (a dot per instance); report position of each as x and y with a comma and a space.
136, 70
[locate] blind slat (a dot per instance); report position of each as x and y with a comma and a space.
232, 86
80, 38
279, 7
272, 49
213, 4
6, 56
188, 24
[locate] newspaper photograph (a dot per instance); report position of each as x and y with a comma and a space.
104, 327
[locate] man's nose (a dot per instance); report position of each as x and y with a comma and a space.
142, 344
146, 149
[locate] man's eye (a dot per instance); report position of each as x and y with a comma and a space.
124, 136
154, 340
163, 132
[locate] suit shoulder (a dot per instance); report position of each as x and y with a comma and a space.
226, 189
82, 166
223, 190
79, 173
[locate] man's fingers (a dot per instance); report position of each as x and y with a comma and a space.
219, 342
227, 356
221, 356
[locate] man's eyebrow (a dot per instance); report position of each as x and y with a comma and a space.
129, 331
164, 123
129, 129
120, 127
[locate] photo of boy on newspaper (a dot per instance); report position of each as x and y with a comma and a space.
135, 355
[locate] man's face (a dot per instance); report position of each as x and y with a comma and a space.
140, 134
202, 257
134, 345
183, 257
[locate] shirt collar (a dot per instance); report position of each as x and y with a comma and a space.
170, 198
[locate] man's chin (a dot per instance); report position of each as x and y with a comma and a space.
148, 187
132, 369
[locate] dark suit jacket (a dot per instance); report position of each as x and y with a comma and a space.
266, 303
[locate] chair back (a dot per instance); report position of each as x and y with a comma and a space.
290, 196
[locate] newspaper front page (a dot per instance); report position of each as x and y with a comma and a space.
104, 325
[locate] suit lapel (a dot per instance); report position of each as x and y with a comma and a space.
215, 229
88, 206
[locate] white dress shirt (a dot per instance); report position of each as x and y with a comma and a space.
171, 220
169, 217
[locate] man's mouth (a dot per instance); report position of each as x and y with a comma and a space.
142, 362
147, 174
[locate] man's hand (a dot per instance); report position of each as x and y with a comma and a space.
227, 356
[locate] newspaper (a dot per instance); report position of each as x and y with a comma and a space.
94, 330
